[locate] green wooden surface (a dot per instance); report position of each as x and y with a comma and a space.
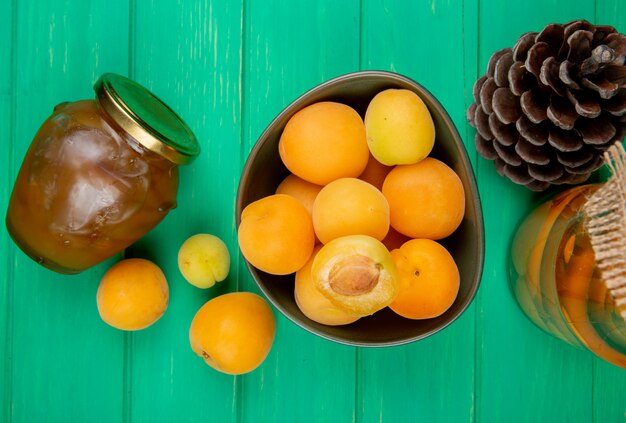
7, 131
514, 360
431, 375
287, 51
228, 68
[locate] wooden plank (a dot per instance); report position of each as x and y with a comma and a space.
420, 381
228, 68
289, 48
609, 385
66, 364
609, 382
516, 360
424, 41
189, 54
7, 26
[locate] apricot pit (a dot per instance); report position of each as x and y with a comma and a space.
356, 273
314, 304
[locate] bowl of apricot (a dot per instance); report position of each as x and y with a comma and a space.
358, 213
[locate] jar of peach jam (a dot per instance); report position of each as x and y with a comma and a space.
98, 176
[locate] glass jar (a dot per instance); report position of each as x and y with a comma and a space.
98, 175
556, 281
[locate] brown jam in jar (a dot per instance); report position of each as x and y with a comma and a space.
98, 176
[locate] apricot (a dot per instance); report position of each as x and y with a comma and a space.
356, 273
399, 127
203, 260
427, 199
133, 294
350, 206
301, 190
313, 304
323, 142
394, 239
375, 172
276, 234
233, 332
429, 279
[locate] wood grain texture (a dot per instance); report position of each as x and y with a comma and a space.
7, 96
290, 48
60, 347
228, 68
405, 382
517, 360
190, 56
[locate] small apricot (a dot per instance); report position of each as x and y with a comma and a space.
233, 332
356, 273
399, 127
375, 172
133, 294
313, 304
276, 234
301, 190
429, 279
203, 260
427, 199
323, 142
394, 239
350, 206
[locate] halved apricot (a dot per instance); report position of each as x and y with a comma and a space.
356, 273
314, 304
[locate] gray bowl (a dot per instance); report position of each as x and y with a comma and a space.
264, 170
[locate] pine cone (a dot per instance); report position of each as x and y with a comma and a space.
547, 109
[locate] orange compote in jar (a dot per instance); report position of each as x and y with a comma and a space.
557, 283
98, 175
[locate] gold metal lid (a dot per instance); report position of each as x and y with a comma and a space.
146, 118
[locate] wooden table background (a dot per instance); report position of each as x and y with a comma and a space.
228, 68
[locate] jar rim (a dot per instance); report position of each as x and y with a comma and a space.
146, 118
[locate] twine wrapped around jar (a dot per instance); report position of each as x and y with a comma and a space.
605, 223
